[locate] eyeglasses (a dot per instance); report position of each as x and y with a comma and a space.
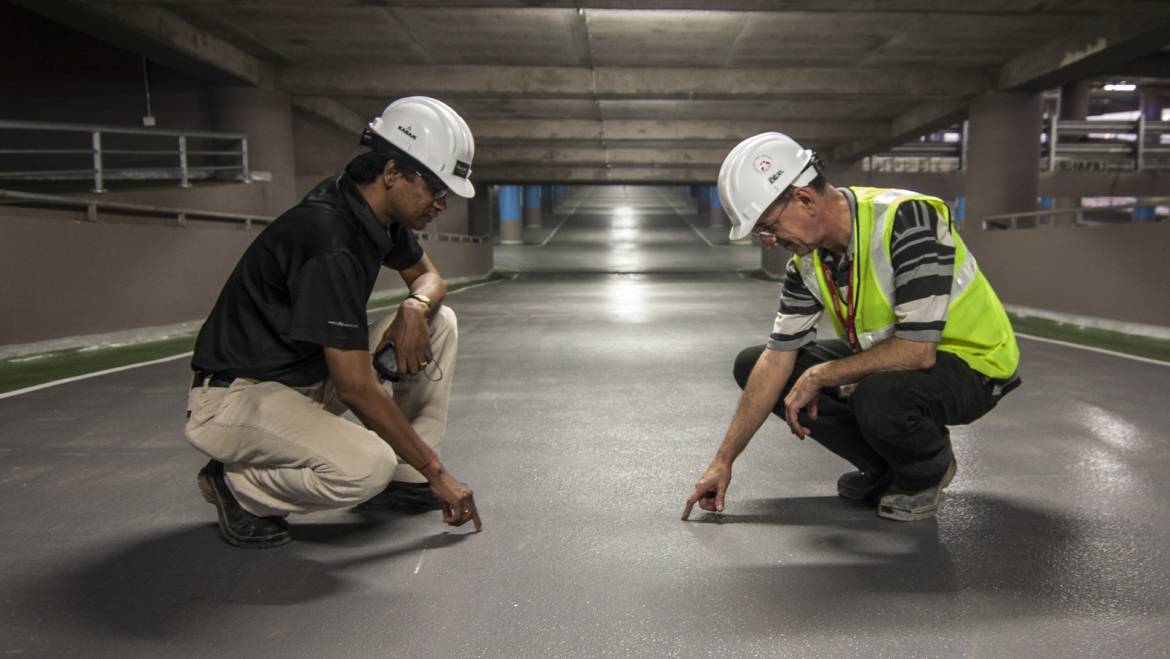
436, 187
769, 229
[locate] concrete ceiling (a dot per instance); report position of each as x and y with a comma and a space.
645, 90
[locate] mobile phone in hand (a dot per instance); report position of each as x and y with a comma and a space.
386, 363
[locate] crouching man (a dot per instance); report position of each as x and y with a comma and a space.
287, 347
924, 342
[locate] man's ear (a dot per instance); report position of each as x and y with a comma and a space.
390, 174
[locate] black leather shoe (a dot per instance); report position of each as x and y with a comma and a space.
864, 485
238, 526
405, 497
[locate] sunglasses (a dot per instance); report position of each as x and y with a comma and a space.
436, 187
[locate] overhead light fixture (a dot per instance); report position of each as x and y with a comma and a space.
1120, 87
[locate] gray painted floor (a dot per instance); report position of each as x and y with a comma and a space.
585, 406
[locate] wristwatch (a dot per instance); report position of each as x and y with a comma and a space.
421, 298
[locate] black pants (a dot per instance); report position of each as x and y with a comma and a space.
895, 420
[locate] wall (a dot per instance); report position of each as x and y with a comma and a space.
63, 277
1116, 272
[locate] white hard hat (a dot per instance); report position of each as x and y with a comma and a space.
432, 133
756, 172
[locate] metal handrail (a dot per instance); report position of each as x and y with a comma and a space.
1047, 218
100, 170
89, 128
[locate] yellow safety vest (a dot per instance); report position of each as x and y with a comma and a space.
977, 329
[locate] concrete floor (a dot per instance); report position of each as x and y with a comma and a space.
585, 406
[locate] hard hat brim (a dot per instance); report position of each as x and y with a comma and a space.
739, 232
458, 185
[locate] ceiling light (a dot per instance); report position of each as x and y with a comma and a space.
1120, 87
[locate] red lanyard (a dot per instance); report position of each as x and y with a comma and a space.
849, 319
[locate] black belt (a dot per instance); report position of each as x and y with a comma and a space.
201, 377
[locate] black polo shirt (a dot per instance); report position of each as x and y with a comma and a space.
302, 284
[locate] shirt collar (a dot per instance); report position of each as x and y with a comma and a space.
378, 232
846, 258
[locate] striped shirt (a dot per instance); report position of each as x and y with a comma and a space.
922, 251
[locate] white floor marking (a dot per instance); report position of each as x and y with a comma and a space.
1092, 349
86, 376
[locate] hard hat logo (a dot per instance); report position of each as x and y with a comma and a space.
763, 164
433, 134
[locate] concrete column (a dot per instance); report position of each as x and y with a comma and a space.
511, 231
1003, 173
1153, 100
479, 211
718, 216
547, 199
1074, 100
266, 117
532, 214
704, 199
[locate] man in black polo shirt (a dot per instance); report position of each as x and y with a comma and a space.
287, 347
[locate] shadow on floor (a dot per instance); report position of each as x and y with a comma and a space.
985, 558
184, 583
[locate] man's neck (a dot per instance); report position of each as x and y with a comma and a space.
839, 221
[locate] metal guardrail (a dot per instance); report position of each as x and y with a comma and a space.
1081, 216
146, 154
92, 209
1066, 145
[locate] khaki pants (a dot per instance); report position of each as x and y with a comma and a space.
286, 450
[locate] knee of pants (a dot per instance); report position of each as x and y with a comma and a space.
884, 405
366, 473
745, 361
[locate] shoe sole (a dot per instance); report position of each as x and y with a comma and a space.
922, 512
225, 529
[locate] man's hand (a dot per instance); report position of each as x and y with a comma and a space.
711, 489
805, 393
458, 500
411, 337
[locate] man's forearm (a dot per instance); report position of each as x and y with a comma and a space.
760, 395
431, 285
378, 412
892, 354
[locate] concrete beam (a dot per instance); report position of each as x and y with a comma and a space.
545, 174
331, 112
1113, 42
519, 130
158, 34
666, 156
363, 78
908, 126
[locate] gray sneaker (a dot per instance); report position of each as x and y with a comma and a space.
915, 506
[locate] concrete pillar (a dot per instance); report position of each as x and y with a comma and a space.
547, 199
704, 199
1153, 101
1074, 100
532, 214
718, 216
1003, 174
479, 211
511, 231
266, 117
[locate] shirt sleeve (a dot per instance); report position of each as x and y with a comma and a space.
796, 321
328, 307
922, 251
406, 251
